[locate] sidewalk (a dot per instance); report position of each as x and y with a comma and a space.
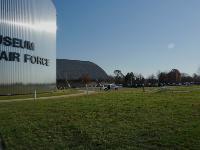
51, 97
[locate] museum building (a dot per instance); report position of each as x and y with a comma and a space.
27, 46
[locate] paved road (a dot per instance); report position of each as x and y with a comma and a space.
51, 97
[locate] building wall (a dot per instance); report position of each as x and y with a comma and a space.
27, 46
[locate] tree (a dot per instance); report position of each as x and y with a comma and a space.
196, 78
186, 78
151, 80
118, 73
111, 79
129, 79
86, 79
119, 77
174, 76
139, 82
162, 78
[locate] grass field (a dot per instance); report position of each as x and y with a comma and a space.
167, 118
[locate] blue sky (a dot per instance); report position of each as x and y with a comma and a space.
142, 36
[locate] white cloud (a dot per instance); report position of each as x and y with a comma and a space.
171, 45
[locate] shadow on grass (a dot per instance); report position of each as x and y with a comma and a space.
2, 143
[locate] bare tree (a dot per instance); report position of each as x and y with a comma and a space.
86, 80
151, 80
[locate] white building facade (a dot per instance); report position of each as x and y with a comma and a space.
27, 46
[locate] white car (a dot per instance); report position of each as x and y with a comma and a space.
110, 87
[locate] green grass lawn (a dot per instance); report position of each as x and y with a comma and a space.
48, 94
126, 119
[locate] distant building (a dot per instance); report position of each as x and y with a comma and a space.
70, 72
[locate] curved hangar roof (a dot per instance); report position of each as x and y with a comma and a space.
75, 69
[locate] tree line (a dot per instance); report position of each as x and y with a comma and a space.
172, 77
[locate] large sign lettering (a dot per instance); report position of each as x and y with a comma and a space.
14, 56
15, 42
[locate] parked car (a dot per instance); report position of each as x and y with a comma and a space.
107, 87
